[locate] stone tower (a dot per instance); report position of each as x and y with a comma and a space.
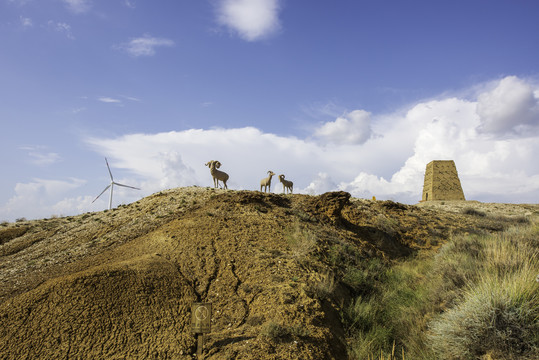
442, 181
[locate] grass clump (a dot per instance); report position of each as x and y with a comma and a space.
387, 224
497, 317
323, 287
301, 241
496, 313
474, 212
278, 332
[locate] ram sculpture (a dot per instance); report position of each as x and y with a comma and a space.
217, 174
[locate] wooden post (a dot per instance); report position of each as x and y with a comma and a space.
200, 346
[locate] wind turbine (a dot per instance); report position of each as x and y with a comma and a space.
111, 186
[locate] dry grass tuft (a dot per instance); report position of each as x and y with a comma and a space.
497, 310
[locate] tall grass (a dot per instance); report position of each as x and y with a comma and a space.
386, 320
477, 297
498, 317
496, 313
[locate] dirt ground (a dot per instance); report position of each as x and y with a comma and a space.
120, 284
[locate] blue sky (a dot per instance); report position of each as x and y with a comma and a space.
350, 95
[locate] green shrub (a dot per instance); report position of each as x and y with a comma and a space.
474, 212
323, 287
361, 314
301, 241
388, 225
277, 332
365, 344
496, 317
496, 312
362, 279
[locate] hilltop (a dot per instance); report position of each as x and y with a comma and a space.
276, 268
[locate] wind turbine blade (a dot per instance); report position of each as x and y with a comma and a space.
102, 193
127, 186
108, 167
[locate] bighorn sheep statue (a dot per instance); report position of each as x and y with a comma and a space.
217, 174
266, 183
287, 184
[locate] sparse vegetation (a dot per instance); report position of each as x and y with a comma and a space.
497, 309
386, 224
477, 297
301, 241
307, 275
497, 316
473, 211
302, 215
323, 287
279, 332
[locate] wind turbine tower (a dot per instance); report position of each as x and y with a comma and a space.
111, 186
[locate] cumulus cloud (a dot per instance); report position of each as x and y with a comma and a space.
320, 184
144, 46
152, 154
510, 108
252, 20
390, 165
43, 198
173, 172
351, 128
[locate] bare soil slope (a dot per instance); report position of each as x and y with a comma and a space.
120, 283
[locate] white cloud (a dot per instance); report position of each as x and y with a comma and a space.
351, 128
78, 6
61, 27
252, 20
131, 98
43, 198
109, 100
40, 155
512, 107
144, 46
44, 159
390, 165
320, 184
26, 22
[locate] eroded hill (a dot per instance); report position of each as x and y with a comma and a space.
120, 283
